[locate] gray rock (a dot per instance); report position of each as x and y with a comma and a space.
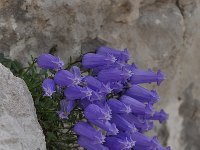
159, 33
19, 127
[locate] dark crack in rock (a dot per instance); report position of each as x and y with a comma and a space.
190, 111
163, 134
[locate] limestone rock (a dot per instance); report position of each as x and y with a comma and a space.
19, 127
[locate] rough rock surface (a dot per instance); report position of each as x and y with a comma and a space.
159, 33
19, 127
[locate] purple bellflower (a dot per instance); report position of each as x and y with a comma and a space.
48, 61
141, 124
118, 107
123, 124
111, 75
118, 54
114, 143
110, 128
87, 144
141, 94
49, 87
66, 78
66, 106
160, 116
86, 130
142, 76
117, 110
137, 107
94, 112
92, 60
93, 83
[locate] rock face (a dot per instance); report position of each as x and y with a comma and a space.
19, 127
159, 33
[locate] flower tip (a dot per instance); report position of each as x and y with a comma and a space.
168, 148
48, 61
115, 131
164, 116
147, 125
149, 109
160, 77
155, 141
155, 96
134, 66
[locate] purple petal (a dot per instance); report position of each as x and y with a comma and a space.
122, 55
84, 129
94, 112
107, 126
63, 78
77, 75
142, 94
136, 106
89, 145
48, 61
65, 108
91, 60
118, 107
141, 124
93, 83
114, 143
143, 141
122, 123
161, 116
73, 93
49, 87
111, 75
142, 76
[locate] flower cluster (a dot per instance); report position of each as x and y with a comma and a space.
117, 110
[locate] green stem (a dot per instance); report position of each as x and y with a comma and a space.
31, 66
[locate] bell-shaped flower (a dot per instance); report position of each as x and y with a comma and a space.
142, 94
142, 125
106, 88
86, 130
123, 124
161, 116
65, 78
66, 106
91, 60
160, 147
77, 92
142, 76
118, 106
114, 143
111, 75
142, 141
89, 144
107, 126
116, 86
136, 106
121, 55
48, 61
76, 75
94, 112
93, 83
73, 93
49, 87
